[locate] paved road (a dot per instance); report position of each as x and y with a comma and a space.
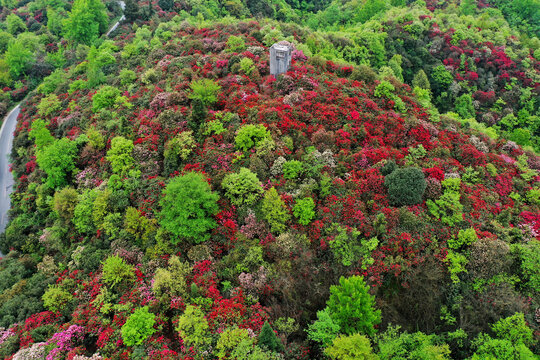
123, 6
6, 178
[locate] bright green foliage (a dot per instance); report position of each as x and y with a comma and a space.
172, 281
205, 90
304, 210
188, 207
127, 76
405, 186
275, 211
249, 136
352, 347
54, 21
193, 328
416, 346
352, 307
421, 80
82, 215
488, 348
105, 98
180, 146
65, 202
514, 329
18, 58
120, 155
95, 138
138, 327
247, 66
235, 44
464, 238
48, 105
324, 330
242, 188
56, 298
464, 106
137, 225
348, 249
57, 161
385, 89
395, 64
268, 339
15, 24
42, 136
530, 264
100, 207
456, 264
441, 78
86, 21
229, 341
292, 169
116, 271
448, 207
468, 7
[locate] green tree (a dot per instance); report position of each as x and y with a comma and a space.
229, 340
514, 329
18, 58
352, 347
57, 160
268, 339
132, 11
416, 346
56, 298
421, 80
120, 155
324, 330
464, 106
275, 211
104, 98
86, 21
205, 90
304, 210
15, 24
82, 215
116, 271
468, 7
352, 307
138, 327
65, 202
193, 328
41, 135
249, 136
188, 208
406, 186
235, 44
242, 188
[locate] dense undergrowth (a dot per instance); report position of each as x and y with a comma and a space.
174, 200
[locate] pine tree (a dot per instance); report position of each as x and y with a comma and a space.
421, 80
268, 338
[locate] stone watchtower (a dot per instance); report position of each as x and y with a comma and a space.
280, 59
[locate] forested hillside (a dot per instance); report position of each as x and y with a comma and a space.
173, 200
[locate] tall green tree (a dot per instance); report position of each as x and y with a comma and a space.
86, 21
188, 207
18, 58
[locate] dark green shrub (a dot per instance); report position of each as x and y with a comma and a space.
405, 186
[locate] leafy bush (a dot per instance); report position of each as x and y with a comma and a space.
116, 271
405, 186
304, 210
138, 327
395, 345
205, 90
249, 136
235, 44
56, 298
268, 339
324, 330
464, 238
105, 97
352, 347
120, 155
275, 211
188, 207
352, 307
65, 202
193, 328
57, 161
292, 169
48, 105
242, 188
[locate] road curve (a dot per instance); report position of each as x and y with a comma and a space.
123, 6
6, 178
